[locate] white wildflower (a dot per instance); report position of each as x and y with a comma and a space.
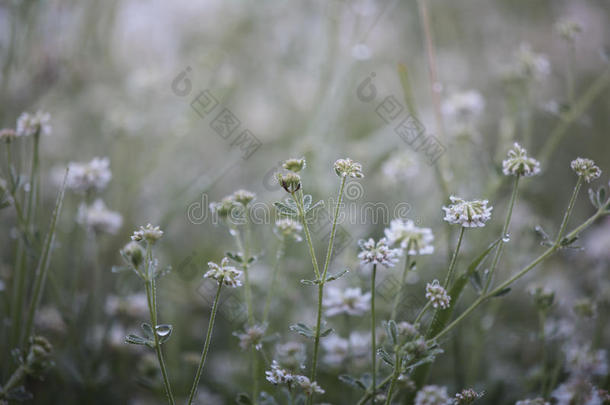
408, 330
437, 295
288, 228
149, 233
378, 253
7, 135
400, 167
432, 395
347, 167
466, 397
308, 386
463, 105
224, 273
336, 350
89, 176
291, 354
223, 208
295, 165
98, 218
586, 168
29, 124
467, 213
576, 391
531, 65
243, 197
253, 337
278, 375
568, 29
417, 240
350, 301
582, 360
519, 164
535, 401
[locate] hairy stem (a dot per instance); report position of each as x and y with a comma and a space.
206, 345
403, 279
373, 344
451, 270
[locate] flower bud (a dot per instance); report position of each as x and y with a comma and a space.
133, 253
290, 182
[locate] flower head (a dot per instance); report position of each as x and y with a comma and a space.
378, 253
291, 354
347, 167
287, 227
432, 395
133, 253
519, 164
586, 168
467, 397
417, 241
407, 330
30, 124
535, 401
253, 337
291, 182
98, 218
308, 386
568, 29
278, 375
295, 165
89, 176
7, 134
437, 295
350, 301
223, 208
465, 104
224, 273
531, 65
149, 233
243, 197
467, 213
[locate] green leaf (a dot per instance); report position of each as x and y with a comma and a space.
236, 257
403, 73
392, 331
307, 201
310, 282
303, 330
285, 209
593, 197
243, 399
351, 381
333, 277
385, 356
148, 330
136, 340
326, 332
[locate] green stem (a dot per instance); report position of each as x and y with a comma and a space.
278, 257
566, 216
331, 241
373, 325
152, 308
395, 376
500, 247
422, 312
206, 345
451, 270
368, 394
399, 295
312, 253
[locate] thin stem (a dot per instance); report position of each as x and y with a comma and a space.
566, 217
395, 375
398, 297
422, 312
451, 270
312, 253
152, 308
206, 345
498, 253
373, 343
278, 257
331, 240
368, 394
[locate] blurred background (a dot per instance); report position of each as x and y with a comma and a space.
192, 100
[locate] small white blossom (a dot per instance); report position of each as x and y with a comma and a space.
223, 208
585, 361
149, 233
417, 240
568, 29
463, 105
243, 197
350, 301
519, 164
295, 165
7, 134
308, 386
378, 253
347, 167
89, 176
586, 168
28, 124
287, 227
467, 213
278, 375
535, 401
437, 295
408, 330
576, 391
291, 354
466, 397
531, 65
336, 350
253, 337
432, 395
224, 273
400, 167
98, 218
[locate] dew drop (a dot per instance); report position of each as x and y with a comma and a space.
506, 238
233, 232
163, 330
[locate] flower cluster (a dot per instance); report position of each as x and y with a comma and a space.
7, 134
432, 395
467, 213
350, 301
586, 168
535, 401
416, 241
98, 218
89, 176
149, 233
378, 253
253, 337
243, 197
347, 167
223, 208
531, 65
519, 164
437, 295
288, 228
295, 165
30, 124
278, 375
467, 397
338, 349
291, 182
463, 104
223, 273
568, 29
